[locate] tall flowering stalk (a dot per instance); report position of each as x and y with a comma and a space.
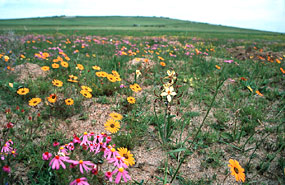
167, 97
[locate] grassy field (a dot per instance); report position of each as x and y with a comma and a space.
141, 100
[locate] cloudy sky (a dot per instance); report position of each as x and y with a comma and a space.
257, 14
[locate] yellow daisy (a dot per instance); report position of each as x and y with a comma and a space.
112, 125
116, 116
128, 157
237, 170
34, 101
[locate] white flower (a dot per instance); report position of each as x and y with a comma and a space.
168, 92
138, 73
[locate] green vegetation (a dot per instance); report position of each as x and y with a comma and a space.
191, 98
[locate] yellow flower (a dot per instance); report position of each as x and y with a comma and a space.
57, 83
237, 170
23, 91
72, 78
249, 88
6, 58
96, 67
135, 87
131, 100
34, 101
86, 94
86, 88
160, 58
52, 98
101, 74
80, 67
69, 101
115, 73
128, 157
112, 125
45, 68
116, 116
55, 65
111, 78
64, 64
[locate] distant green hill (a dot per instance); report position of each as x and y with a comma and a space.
115, 22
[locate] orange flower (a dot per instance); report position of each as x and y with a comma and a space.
160, 58
64, 64
243, 79
45, 68
218, 67
162, 64
282, 70
55, 65
52, 98
237, 170
257, 92
80, 67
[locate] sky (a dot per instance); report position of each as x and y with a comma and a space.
268, 15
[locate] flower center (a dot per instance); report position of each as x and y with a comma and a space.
121, 170
126, 156
112, 125
85, 133
78, 180
80, 162
57, 157
236, 170
46, 153
168, 92
113, 150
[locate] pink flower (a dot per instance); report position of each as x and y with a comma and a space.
228, 61
82, 165
121, 172
56, 162
6, 148
76, 139
118, 161
85, 140
110, 152
108, 176
70, 146
55, 143
80, 181
7, 169
47, 156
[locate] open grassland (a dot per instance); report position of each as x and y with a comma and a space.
140, 100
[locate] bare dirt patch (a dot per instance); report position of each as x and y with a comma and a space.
29, 71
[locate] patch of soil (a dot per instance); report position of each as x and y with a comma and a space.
29, 71
242, 53
97, 115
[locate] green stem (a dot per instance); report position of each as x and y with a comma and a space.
199, 129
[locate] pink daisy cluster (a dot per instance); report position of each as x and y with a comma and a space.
95, 144
7, 149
